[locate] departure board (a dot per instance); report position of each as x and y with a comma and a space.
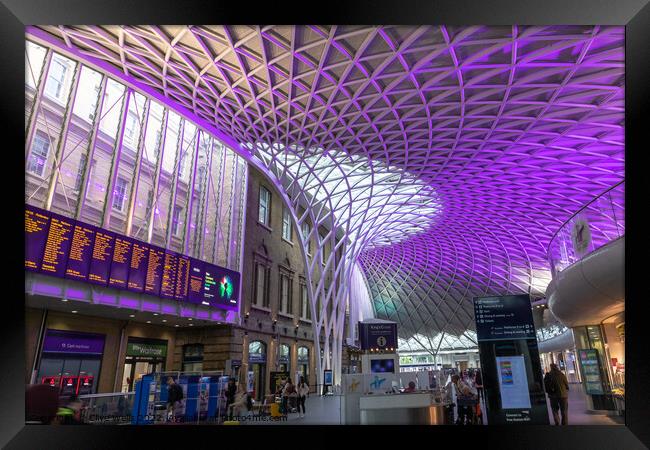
138, 267
100, 263
67, 248
57, 245
37, 225
154, 271
168, 282
182, 277
195, 294
81, 250
121, 262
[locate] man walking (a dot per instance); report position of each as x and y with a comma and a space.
557, 388
174, 397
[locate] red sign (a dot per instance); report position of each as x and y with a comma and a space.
69, 385
52, 381
85, 384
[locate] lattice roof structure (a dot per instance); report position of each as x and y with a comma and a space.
500, 134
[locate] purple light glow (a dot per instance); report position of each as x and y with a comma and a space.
513, 135
75, 294
129, 303
47, 289
168, 309
105, 299
149, 306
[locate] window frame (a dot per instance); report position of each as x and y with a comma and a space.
122, 196
286, 225
266, 220
30, 163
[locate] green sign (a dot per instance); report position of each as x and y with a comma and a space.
591, 371
140, 349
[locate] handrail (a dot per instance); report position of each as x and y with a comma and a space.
582, 208
605, 222
108, 394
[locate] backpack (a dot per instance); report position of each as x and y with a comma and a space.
552, 385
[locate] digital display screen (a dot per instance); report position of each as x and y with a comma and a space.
382, 366
68, 248
57, 245
170, 266
154, 271
100, 262
121, 262
182, 277
138, 267
81, 250
195, 294
37, 225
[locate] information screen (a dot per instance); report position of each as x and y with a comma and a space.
168, 283
81, 250
154, 271
57, 245
182, 278
100, 263
138, 267
121, 262
68, 248
195, 294
37, 225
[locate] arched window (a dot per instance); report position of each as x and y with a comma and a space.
257, 351
303, 363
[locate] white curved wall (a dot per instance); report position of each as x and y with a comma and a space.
592, 289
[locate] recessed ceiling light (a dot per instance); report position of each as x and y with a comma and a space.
148, 321
155, 314
189, 318
131, 315
74, 312
64, 299
176, 325
164, 320
191, 324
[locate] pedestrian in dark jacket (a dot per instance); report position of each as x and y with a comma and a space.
557, 388
174, 397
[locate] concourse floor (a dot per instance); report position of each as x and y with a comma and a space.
327, 411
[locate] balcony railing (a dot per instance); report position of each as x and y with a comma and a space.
596, 224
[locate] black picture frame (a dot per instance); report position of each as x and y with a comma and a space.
16, 14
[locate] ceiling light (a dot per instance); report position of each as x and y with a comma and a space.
189, 318
148, 321
74, 312
164, 320
155, 314
191, 324
176, 325
131, 315
64, 299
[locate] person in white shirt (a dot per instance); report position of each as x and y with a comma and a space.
303, 390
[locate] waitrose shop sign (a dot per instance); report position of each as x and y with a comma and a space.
140, 349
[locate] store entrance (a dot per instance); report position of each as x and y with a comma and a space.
143, 356
258, 379
135, 368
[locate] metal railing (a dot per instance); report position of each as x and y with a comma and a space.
112, 408
596, 224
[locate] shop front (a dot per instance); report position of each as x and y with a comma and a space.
303, 362
71, 361
143, 356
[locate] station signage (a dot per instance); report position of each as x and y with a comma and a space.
145, 349
510, 362
506, 317
59, 341
590, 366
66, 248
382, 336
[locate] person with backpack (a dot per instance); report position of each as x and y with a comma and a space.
174, 397
557, 388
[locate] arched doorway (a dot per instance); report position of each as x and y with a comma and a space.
303, 363
257, 364
285, 359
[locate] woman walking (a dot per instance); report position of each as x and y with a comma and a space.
303, 390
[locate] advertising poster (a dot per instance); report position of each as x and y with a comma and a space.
250, 381
328, 378
513, 382
204, 396
276, 380
591, 371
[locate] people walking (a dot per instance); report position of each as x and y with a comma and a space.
303, 391
174, 397
466, 398
287, 391
557, 388
478, 383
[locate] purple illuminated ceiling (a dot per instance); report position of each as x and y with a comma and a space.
514, 129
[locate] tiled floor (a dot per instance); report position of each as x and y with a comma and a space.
326, 411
